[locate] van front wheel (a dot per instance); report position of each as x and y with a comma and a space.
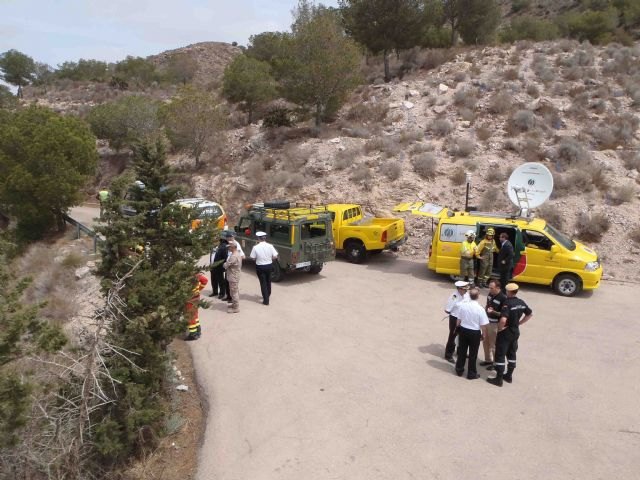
567, 285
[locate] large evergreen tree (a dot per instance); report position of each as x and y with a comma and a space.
45, 158
385, 25
248, 81
321, 66
17, 69
479, 21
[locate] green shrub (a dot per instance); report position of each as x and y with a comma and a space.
277, 117
594, 26
425, 165
519, 5
529, 28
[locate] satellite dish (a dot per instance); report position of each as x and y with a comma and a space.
530, 185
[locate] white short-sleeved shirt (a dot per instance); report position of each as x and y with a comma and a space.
472, 316
454, 301
263, 253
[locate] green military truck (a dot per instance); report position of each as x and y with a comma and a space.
301, 234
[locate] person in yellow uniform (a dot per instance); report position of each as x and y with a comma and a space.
467, 255
485, 250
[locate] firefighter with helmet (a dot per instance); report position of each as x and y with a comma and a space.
192, 307
468, 250
485, 250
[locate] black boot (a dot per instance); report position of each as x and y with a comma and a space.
497, 381
508, 376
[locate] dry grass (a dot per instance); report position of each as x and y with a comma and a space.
462, 147
418, 148
622, 194
375, 112
571, 153
634, 234
465, 98
494, 175
523, 120
344, 158
533, 90
410, 136
441, 127
425, 165
458, 176
591, 226
483, 133
361, 174
387, 145
392, 170
511, 74
552, 214
500, 103
631, 160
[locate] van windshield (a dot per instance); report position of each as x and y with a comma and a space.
561, 238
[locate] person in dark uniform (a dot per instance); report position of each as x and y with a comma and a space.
217, 259
514, 313
505, 260
495, 303
451, 309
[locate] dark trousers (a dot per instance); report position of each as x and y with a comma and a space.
218, 283
264, 275
468, 340
451, 341
505, 277
506, 348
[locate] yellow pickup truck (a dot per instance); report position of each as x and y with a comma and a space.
358, 235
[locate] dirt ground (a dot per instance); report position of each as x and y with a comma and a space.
342, 377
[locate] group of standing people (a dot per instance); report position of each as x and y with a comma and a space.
482, 254
225, 263
496, 325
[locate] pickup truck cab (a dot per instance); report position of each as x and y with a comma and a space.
357, 235
543, 255
301, 234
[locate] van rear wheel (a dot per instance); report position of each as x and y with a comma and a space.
315, 269
355, 252
567, 285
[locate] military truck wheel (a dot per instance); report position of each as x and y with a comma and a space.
356, 252
315, 269
567, 285
276, 273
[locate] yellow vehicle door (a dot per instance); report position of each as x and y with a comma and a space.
445, 253
542, 264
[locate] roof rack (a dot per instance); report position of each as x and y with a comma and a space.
506, 216
286, 210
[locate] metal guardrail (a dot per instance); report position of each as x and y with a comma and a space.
80, 229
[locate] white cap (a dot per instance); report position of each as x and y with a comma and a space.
461, 284
260, 233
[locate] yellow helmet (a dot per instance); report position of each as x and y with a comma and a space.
491, 231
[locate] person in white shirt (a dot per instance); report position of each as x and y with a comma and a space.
264, 255
451, 309
472, 325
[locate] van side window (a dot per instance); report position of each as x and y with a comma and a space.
280, 232
537, 240
450, 232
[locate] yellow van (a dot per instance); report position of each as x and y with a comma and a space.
543, 255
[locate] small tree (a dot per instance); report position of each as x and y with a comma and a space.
248, 81
193, 119
7, 99
385, 25
126, 121
136, 70
479, 21
181, 68
45, 159
321, 66
17, 69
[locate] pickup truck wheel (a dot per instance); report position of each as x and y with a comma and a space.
356, 252
315, 269
276, 272
567, 285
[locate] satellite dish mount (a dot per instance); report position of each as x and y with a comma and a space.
529, 186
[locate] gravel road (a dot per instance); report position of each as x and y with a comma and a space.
342, 377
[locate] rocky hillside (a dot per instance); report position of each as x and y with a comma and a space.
573, 107
211, 57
